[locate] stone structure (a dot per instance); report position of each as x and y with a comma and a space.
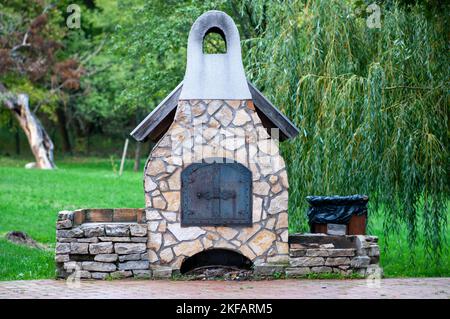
204, 130
214, 115
101, 243
345, 255
107, 243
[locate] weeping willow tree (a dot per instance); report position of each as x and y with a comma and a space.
371, 104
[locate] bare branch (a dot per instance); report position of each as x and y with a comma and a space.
93, 54
99, 70
23, 44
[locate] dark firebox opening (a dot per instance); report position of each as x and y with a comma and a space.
215, 258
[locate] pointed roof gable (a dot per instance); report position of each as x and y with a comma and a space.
158, 121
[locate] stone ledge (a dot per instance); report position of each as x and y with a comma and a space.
162, 272
268, 269
321, 253
95, 215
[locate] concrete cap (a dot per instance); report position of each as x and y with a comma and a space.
214, 76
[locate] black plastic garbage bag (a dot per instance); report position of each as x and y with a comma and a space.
335, 209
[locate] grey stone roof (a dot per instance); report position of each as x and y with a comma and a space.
158, 121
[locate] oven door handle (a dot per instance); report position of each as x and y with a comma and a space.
225, 195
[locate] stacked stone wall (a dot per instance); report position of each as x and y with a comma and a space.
115, 247
345, 255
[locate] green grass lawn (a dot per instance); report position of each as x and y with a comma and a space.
30, 200
396, 257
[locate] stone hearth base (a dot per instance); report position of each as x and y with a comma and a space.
104, 243
345, 255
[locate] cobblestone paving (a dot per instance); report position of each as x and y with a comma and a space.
386, 288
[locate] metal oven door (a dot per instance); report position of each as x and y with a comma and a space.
214, 194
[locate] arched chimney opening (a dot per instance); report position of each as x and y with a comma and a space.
216, 258
214, 41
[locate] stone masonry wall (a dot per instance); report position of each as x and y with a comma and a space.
346, 255
116, 248
205, 129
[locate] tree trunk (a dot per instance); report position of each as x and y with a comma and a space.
12, 125
137, 157
62, 123
40, 142
17, 137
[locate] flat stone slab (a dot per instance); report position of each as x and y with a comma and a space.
416, 288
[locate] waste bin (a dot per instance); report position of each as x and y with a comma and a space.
338, 215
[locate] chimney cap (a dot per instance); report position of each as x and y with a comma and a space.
214, 76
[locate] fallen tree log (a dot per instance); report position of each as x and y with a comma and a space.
40, 143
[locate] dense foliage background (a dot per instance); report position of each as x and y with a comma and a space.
371, 103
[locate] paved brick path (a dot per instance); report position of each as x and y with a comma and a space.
386, 288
